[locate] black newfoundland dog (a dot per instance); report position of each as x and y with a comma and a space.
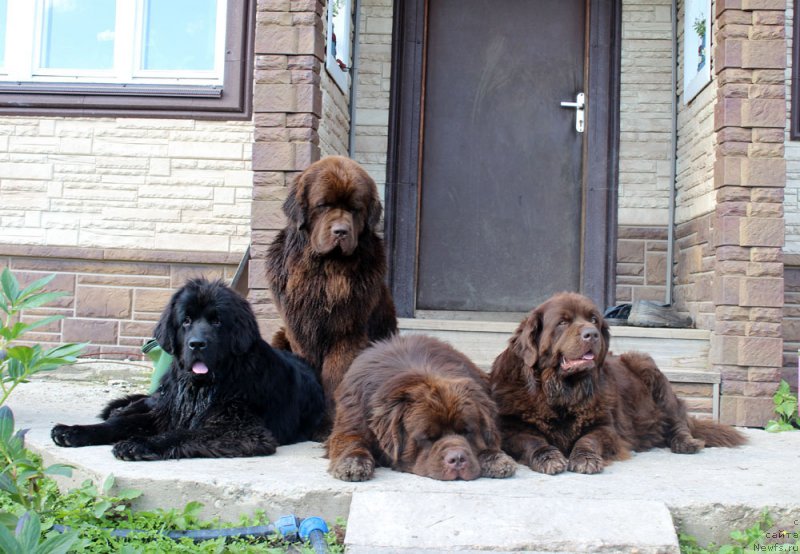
226, 394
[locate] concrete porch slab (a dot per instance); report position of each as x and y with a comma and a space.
710, 493
385, 522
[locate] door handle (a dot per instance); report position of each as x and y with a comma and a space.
579, 105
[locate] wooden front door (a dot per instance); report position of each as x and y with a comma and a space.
494, 200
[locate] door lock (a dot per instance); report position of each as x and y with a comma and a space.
579, 106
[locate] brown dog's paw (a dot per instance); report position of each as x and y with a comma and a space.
497, 465
353, 468
686, 444
585, 462
550, 461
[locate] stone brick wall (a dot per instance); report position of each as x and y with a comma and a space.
791, 205
334, 127
791, 319
372, 92
694, 201
645, 116
641, 263
791, 201
114, 296
750, 176
152, 184
694, 270
287, 103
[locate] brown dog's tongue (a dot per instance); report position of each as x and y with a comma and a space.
200, 368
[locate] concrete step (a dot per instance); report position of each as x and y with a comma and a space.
387, 522
710, 493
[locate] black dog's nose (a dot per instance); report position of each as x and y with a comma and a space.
196, 344
340, 230
589, 334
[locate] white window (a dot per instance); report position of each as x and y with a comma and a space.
143, 58
3, 18
166, 42
340, 16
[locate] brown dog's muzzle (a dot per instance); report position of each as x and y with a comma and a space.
336, 229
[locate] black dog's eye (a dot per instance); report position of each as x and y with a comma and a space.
215, 321
187, 321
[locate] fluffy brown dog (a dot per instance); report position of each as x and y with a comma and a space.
417, 405
326, 269
566, 403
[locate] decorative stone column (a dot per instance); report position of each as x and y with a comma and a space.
287, 107
749, 178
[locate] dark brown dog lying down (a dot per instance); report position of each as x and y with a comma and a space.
415, 404
566, 403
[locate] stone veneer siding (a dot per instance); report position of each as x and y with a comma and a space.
791, 205
373, 89
749, 180
641, 263
288, 107
149, 184
114, 296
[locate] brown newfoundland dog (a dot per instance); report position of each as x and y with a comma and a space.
566, 403
326, 269
415, 404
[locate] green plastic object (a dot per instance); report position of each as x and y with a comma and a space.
161, 362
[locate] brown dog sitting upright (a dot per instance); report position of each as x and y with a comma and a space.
566, 403
416, 404
326, 270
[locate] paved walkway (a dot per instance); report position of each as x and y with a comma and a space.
626, 508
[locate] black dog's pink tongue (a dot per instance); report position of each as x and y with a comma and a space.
200, 368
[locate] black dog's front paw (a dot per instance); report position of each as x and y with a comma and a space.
70, 435
136, 450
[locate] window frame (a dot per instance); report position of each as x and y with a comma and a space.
231, 101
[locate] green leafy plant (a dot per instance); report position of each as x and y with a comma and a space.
699, 27
20, 362
26, 539
786, 410
748, 540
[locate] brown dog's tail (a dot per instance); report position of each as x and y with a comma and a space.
715, 434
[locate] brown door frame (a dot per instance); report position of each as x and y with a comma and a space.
600, 152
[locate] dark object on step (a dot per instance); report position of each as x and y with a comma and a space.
644, 313
617, 315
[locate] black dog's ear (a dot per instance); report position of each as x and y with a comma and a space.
166, 331
245, 328
525, 341
296, 204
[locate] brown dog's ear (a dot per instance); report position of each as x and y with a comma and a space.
525, 341
375, 209
388, 412
606, 339
296, 204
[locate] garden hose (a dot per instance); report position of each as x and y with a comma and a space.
312, 529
